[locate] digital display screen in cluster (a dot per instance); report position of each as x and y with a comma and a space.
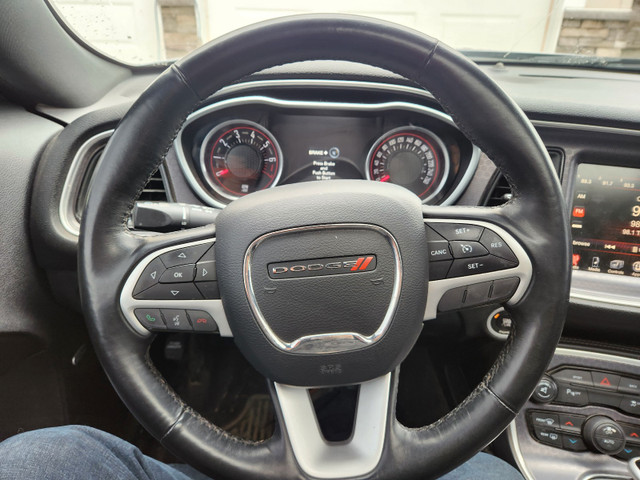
605, 220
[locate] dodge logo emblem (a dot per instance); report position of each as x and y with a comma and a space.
322, 266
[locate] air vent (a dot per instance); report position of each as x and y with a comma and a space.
78, 184
500, 191
155, 191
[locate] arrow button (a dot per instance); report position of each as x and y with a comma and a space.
168, 291
149, 276
206, 272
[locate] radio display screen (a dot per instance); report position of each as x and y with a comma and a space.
605, 220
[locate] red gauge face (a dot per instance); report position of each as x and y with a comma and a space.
411, 157
240, 158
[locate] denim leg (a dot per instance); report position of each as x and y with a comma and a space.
484, 467
81, 453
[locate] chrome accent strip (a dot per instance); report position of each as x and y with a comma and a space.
442, 146
357, 456
73, 181
596, 289
128, 304
264, 100
326, 342
524, 270
512, 431
585, 127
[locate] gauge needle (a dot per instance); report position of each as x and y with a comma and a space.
385, 178
222, 173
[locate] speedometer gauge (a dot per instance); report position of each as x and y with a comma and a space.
412, 157
240, 157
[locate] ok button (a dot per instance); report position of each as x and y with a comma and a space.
467, 249
180, 274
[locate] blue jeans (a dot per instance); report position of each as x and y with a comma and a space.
82, 453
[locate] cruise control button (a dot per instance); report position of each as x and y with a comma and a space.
439, 250
629, 385
577, 377
452, 299
467, 249
171, 291
630, 405
473, 266
176, 320
544, 419
150, 318
432, 236
202, 321
206, 271
574, 443
150, 276
477, 294
550, 437
183, 256
458, 231
180, 274
504, 288
572, 395
439, 270
209, 290
605, 380
497, 246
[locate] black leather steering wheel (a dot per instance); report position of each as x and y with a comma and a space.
342, 344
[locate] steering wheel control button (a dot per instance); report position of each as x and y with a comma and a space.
184, 256
209, 290
150, 318
206, 272
171, 291
497, 246
545, 391
202, 321
180, 274
150, 276
548, 436
545, 419
467, 249
458, 231
176, 320
606, 380
573, 376
477, 294
439, 270
474, 266
439, 250
504, 288
452, 299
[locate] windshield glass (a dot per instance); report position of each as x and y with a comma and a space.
602, 33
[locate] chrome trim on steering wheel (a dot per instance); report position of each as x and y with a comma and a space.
326, 342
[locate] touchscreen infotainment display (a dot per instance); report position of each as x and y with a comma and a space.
605, 220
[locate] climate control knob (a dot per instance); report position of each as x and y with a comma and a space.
603, 435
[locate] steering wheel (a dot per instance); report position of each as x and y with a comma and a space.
327, 283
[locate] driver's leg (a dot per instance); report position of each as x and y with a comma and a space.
82, 453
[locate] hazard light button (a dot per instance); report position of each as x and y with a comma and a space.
605, 380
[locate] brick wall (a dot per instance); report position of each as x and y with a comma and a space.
180, 27
601, 32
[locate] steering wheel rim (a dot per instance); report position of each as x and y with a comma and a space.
536, 217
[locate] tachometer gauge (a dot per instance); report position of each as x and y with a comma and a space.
412, 157
240, 157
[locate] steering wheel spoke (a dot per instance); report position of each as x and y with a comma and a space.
473, 259
357, 456
174, 287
